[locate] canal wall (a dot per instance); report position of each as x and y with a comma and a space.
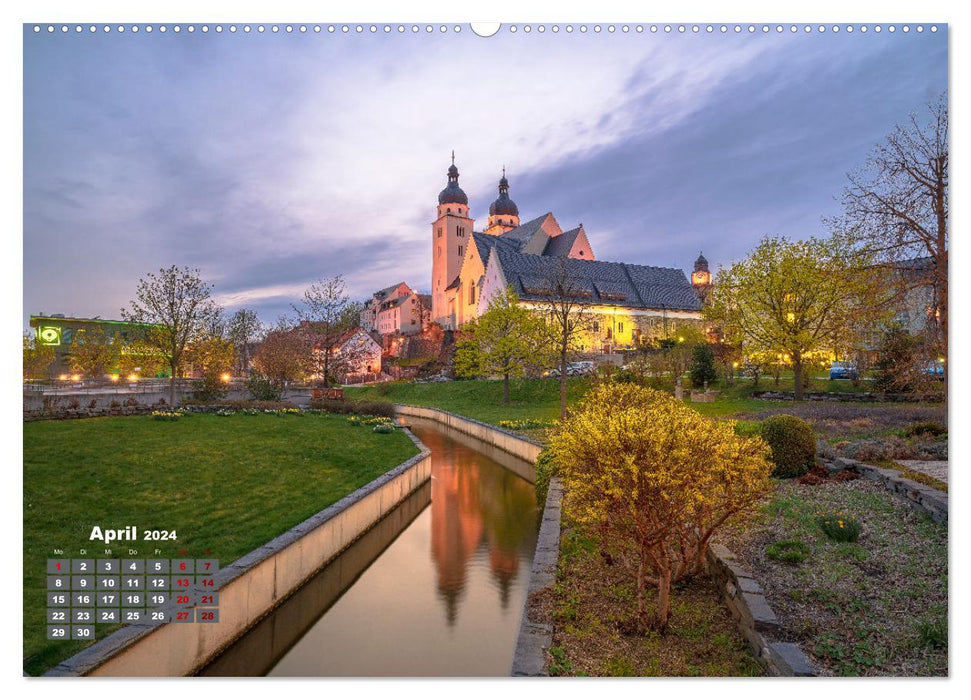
536, 635
252, 586
506, 440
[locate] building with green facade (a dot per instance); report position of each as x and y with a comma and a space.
61, 332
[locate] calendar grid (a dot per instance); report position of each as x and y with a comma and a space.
83, 593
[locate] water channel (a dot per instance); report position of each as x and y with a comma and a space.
436, 588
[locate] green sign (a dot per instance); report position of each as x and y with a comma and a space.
49, 335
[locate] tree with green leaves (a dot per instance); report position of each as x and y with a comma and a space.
93, 354
176, 308
38, 358
702, 366
507, 340
797, 298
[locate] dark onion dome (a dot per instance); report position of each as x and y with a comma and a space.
452, 194
503, 205
701, 265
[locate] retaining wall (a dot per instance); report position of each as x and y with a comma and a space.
918, 496
517, 445
251, 586
755, 618
535, 636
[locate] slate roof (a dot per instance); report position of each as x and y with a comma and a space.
523, 233
562, 244
600, 282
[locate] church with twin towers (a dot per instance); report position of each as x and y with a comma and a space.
628, 304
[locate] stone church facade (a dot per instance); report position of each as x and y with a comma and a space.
627, 304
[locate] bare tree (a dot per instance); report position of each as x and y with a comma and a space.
896, 210
245, 329
326, 316
565, 305
175, 307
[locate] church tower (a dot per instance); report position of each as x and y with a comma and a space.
503, 213
451, 236
701, 279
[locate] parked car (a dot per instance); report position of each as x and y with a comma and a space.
843, 370
573, 369
934, 368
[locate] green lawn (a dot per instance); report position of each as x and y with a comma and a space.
537, 399
226, 485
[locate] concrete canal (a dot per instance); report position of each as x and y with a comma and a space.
436, 588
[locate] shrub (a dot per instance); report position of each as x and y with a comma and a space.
131, 401
545, 470
354, 420
839, 527
262, 389
383, 428
210, 387
702, 366
260, 406
657, 478
115, 404
925, 428
788, 551
792, 442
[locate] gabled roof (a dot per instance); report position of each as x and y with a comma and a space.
454, 284
381, 293
350, 333
600, 282
562, 245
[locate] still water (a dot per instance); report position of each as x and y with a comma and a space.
435, 589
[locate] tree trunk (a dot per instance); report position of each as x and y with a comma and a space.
563, 383
797, 369
663, 596
505, 388
171, 385
642, 620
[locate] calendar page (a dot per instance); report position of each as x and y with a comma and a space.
436, 349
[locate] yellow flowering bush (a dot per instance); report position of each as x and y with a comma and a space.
657, 479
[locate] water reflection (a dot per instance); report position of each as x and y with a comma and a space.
482, 515
442, 599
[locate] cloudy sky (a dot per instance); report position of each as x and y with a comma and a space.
269, 161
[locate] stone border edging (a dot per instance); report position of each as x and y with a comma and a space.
254, 584
919, 496
756, 620
534, 637
517, 445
